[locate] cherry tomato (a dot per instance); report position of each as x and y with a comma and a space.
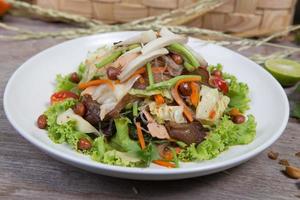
217, 73
220, 84
62, 95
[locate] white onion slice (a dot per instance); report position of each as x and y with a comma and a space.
81, 124
162, 42
139, 62
143, 38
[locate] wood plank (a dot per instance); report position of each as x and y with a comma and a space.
26, 173
81, 7
127, 12
214, 21
275, 19
171, 4
248, 6
275, 4
227, 7
158, 11
107, 1
103, 11
140, 2
198, 22
51, 4
183, 3
241, 22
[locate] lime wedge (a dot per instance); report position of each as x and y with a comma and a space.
287, 72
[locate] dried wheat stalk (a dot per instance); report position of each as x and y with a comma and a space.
182, 15
27, 10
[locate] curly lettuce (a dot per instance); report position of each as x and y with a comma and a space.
224, 135
121, 141
63, 83
65, 132
104, 153
121, 150
238, 93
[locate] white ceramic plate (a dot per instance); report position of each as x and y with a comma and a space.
28, 90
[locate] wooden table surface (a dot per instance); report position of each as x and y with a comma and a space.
28, 173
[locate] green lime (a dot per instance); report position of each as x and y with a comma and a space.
287, 72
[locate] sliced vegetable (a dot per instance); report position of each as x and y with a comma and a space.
140, 135
139, 62
188, 66
62, 95
162, 42
150, 75
171, 82
121, 141
164, 163
143, 38
135, 109
186, 110
159, 99
83, 86
81, 124
213, 104
195, 94
201, 60
186, 54
164, 112
132, 51
109, 59
144, 93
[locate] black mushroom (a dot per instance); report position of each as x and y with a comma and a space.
188, 133
92, 113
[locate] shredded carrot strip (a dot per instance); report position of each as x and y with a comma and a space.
137, 72
96, 83
159, 99
212, 114
117, 81
164, 163
186, 110
195, 94
140, 135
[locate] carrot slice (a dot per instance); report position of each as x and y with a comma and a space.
159, 99
195, 94
137, 72
186, 110
140, 135
85, 85
164, 163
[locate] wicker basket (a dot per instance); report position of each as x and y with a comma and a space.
245, 17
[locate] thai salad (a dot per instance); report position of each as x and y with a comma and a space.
149, 99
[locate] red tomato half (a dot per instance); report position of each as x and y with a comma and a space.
62, 95
220, 83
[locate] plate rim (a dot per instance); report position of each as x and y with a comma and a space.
143, 171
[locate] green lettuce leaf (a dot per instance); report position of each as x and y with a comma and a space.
225, 134
121, 141
63, 83
102, 152
238, 93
